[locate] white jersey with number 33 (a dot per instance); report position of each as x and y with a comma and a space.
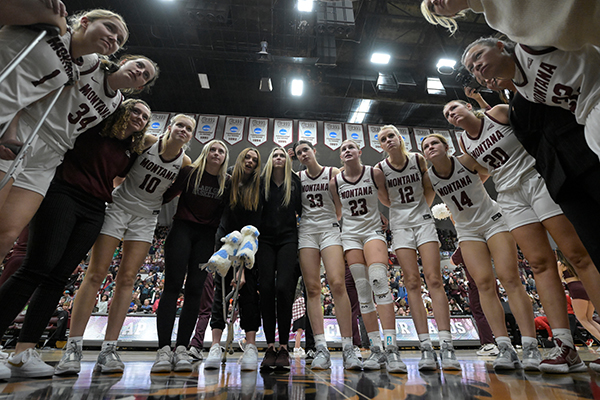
318, 210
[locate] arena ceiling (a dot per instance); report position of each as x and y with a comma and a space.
222, 39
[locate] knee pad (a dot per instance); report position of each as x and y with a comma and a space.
380, 283
363, 288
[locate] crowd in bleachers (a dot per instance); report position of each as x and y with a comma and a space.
150, 281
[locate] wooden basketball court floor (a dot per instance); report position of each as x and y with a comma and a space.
476, 380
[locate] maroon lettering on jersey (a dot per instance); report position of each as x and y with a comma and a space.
51, 75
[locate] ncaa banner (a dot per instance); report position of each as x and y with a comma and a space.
206, 128
374, 137
158, 123
307, 130
446, 133
420, 134
234, 129
332, 135
405, 135
257, 131
282, 132
356, 133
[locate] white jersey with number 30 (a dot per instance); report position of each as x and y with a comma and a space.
497, 149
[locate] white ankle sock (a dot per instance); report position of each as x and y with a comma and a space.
78, 340
346, 341
107, 343
320, 340
375, 339
425, 340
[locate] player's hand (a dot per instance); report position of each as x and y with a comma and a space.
57, 6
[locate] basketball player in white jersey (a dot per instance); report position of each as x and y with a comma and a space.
567, 79
80, 107
413, 229
132, 217
564, 24
319, 238
355, 193
483, 235
492, 148
53, 62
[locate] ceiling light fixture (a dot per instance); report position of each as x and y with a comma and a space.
265, 85
380, 58
263, 54
305, 5
359, 115
297, 87
204, 81
445, 66
434, 86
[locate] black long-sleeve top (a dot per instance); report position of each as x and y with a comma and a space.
278, 223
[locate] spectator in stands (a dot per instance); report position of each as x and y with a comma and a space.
102, 305
146, 308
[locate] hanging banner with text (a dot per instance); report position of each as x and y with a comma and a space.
332, 135
206, 128
257, 131
307, 130
420, 134
158, 123
282, 131
234, 129
374, 137
446, 133
405, 135
356, 133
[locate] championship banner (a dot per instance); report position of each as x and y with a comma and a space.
356, 133
158, 123
234, 129
420, 134
206, 128
257, 131
405, 134
456, 135
446, 133
332, 135
282, 132
307, 130
374, 137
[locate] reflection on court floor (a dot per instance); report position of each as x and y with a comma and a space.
476, 380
